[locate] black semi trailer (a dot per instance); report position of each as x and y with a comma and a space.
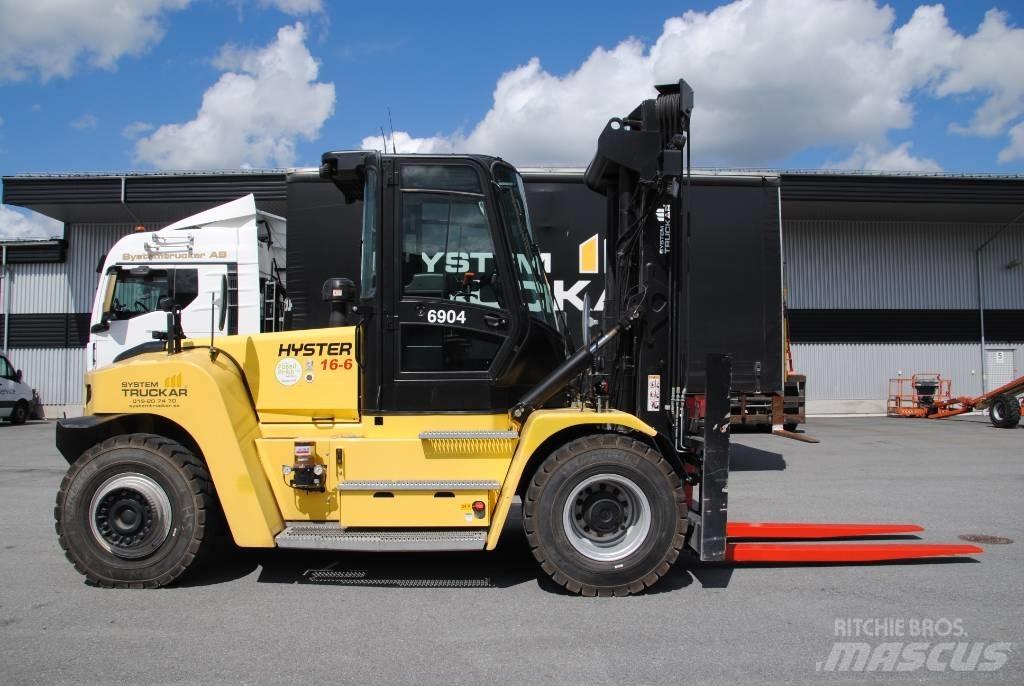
735, 271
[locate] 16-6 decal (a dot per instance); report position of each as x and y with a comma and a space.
446, 316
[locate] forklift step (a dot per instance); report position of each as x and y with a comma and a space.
319, 536
469, 435
464, 485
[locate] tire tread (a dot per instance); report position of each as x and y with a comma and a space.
544, 474
199, 482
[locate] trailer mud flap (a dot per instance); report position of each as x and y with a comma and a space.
708, 532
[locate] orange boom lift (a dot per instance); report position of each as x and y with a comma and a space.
929, 396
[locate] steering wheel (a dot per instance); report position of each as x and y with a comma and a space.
140, 307
117, 309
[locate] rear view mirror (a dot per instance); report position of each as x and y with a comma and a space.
18, 376
165, 304
100, 326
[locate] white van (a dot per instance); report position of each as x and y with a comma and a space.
18, 400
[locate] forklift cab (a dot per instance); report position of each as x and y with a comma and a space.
455, 312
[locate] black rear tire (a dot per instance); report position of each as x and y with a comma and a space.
1004, 412
20, 412
635, 550
790, 426
136, 511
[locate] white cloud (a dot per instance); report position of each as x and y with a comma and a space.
406, 144
880, 158
295, 7
1015, 150
86, 122
50, 37
989, 62
772, 78
136, 129
253, 114
18, 223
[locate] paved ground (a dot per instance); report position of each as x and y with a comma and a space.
487, 618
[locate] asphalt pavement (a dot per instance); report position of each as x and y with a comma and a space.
483, 618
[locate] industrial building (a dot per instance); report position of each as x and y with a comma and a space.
885, 274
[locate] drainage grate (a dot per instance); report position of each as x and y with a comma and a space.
985, 539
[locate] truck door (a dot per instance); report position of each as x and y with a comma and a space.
128, 313
448, 320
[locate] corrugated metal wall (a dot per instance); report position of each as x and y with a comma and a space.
900, 265
55, 372
69, 287
850, 371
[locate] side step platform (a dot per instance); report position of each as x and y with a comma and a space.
792, 548
325, 536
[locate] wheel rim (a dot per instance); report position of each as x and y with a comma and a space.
130, 515
997, 411
606, 517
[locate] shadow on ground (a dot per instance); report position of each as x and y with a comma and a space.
511, 564
743, 458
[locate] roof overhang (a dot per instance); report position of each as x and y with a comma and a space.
904, 197
159, 197
142, 198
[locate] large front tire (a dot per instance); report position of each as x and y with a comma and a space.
135, 512
605, 515
1004, 412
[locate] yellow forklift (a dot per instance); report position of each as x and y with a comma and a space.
443, 391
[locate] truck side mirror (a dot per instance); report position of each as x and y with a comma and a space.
100, 326
165, 304
18, 376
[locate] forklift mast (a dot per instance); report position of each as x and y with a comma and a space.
642, 167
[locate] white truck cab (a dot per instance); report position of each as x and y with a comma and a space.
18, 400
223, 267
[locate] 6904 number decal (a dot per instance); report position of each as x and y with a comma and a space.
446, 316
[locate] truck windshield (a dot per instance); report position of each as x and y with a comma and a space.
533, 283
138, 291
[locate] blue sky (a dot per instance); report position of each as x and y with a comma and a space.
780, 83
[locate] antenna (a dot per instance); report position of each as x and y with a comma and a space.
384, 138
392, 125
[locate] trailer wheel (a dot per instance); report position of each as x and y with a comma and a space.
135, 511
605, 515
20, 413
1004, 412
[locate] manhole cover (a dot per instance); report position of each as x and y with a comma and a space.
983, 538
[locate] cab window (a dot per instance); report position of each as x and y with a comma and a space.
6, 370
138, 291
447, 249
